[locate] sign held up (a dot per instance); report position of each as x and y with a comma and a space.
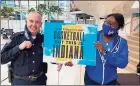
70, 42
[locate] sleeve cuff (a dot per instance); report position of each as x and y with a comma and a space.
16, 49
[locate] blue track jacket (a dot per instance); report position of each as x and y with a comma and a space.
106, 69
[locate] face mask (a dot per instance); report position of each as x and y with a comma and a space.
108, 30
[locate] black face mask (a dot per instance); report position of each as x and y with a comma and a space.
28, 34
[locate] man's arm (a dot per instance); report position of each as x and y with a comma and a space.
9, 50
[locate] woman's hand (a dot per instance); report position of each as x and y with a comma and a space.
100, 47
69, 64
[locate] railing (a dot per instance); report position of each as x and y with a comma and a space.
130, 26
134, 24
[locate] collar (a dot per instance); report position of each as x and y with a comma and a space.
28, 34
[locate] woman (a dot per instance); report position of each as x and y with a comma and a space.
112, 53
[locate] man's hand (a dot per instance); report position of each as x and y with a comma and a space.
100, 47
25, 44
59, 66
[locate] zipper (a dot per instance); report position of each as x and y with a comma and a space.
103, 62
103, 71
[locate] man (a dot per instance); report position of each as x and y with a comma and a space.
25, 52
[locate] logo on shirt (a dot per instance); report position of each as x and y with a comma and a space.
26, 35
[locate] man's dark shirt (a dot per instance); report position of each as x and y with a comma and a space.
23, 62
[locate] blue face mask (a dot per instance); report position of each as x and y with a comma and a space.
108, 30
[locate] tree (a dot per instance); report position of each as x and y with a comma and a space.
47, 11
30, 10
56, 10
42, 8
6, 11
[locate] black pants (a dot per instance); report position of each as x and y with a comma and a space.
88, 81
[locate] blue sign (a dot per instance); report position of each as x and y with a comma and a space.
65, 42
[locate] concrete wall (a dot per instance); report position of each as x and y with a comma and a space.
16, 25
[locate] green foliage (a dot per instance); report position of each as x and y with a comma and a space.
42, 8
56, 10
30, 10
6, 11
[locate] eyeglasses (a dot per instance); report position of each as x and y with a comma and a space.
112, 25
